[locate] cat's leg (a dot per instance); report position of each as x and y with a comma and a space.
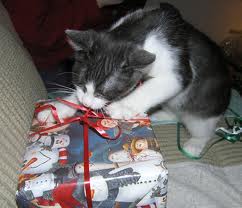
163, 115
63, 110
153, 92
201, 130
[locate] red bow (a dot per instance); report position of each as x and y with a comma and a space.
88, 113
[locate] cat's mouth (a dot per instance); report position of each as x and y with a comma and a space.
94, 103
89, 100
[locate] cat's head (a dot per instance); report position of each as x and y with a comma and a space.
105, 70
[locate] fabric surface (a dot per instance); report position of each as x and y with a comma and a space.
20, 87
6, 22
199, 185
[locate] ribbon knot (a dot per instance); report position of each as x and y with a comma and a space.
87, 114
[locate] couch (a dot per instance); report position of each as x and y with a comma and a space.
20, 87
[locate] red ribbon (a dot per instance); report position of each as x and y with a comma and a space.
86, 166
87, 113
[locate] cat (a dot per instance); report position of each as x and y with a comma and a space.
178, 67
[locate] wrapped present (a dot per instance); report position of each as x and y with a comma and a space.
92, 161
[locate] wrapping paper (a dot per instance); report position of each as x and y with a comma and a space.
127, 171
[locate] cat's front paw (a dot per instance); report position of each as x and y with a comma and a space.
194, 146
118, 110
63, 111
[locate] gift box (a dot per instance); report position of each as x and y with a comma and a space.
92, 161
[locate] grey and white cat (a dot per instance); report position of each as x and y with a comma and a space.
180, 68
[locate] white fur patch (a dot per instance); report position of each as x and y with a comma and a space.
166, 56
164, 115
88, 98
79, 93
200, 128
90, 88
137, 14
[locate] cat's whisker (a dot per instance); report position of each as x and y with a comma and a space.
61, 91
65, 87
57, 88
63, 73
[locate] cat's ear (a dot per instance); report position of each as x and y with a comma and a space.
81, 40
140, 58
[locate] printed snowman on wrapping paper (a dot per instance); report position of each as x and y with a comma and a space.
45, 153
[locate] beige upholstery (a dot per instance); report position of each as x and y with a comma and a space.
20, 87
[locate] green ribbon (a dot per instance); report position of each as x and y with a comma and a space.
234, 131
187, 154
232, 134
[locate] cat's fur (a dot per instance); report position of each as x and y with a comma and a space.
181, 69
